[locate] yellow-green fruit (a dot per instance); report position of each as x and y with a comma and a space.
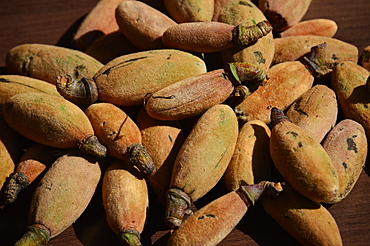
287, 82
47, 62
293, 48
350, 83
246, 13
125, 200
346, 144
11, 84
52, 121
251, 161
307, 221
316, 111
301, 160
190, 10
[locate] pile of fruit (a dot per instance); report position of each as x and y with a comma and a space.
172, 102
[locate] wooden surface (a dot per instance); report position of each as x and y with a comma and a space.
53, 22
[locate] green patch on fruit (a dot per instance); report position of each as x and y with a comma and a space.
294, 134
351, 145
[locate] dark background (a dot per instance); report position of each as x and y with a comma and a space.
53, 22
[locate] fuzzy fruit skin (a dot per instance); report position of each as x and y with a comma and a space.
142, 24
189, 97
125, 198
10, 150
315, 110
346, 144
65, 191
293, 48
126, 80
49, 120
47, 62
287, 82
303, 162
99, 21
11, 84
317, 27
163, 140
250, 164
114, 128
190, 10
349, 81
307, 221
110, 46
206, 152
32, 164
246, 13
284, 13
210, 224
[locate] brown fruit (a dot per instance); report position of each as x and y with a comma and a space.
190, 10
317, 27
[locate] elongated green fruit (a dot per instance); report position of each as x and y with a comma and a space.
301, 160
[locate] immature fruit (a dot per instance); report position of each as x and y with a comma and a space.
202, 160
212, 223
11, 84
47, 62
307, 221
364, 59
109, 46
61, 197
212, 36
284, 13
32, 164
246, 13
346, 144
127, 79
142, 24
52, 121
119, 133
250, 164
98, 22
295, 47
315, 110
301, 160
125, 201
163, 140
317, 27
350, 83
287, 82
190, 10
10, 150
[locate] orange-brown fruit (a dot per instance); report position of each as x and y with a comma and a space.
287, 82
307, 221
315, 110
98, 22
120, 134
142, 24
126, 201
251, 161
61, 197
317, 27
190, 10
163, 140
52, 121
346, 144
301, 160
